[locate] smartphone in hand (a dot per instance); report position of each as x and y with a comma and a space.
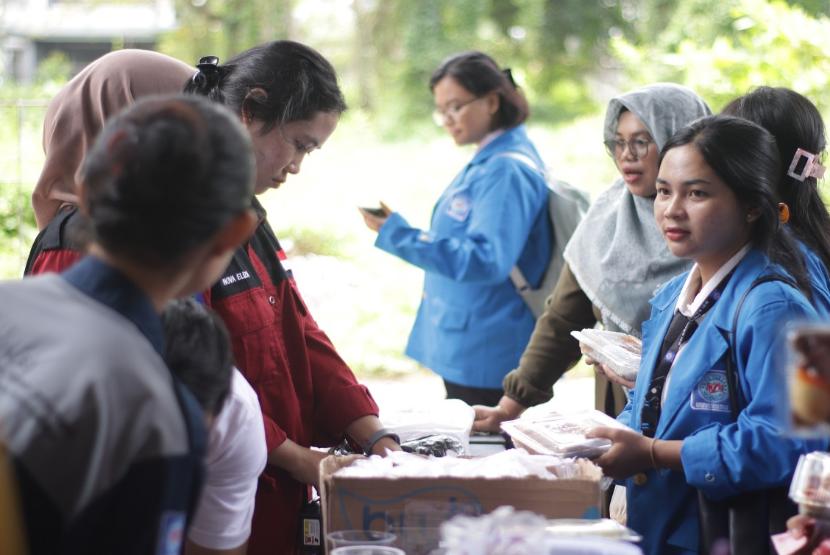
376, 212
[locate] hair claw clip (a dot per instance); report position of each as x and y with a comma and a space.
810, 168
208, 63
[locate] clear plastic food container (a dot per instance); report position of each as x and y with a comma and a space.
810, 487
618, 351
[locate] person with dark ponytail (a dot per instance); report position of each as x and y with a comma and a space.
798, 129
706, 412
473, 325
287, 96
108, 446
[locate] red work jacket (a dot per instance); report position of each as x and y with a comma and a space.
306, 391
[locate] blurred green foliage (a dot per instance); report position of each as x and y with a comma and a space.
569, 55
723, 48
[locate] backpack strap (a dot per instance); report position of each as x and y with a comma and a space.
523, 287
524, 159
736, 401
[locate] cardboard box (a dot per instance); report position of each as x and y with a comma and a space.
414, 508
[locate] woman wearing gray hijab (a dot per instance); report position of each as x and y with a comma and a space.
615, 259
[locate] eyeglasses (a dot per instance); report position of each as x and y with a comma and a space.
637, 147
440, 116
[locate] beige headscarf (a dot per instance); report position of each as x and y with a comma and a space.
78, 112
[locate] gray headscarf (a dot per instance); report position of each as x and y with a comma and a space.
617, 254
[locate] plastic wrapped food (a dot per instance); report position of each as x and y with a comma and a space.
561, 435
618, 351
434, 428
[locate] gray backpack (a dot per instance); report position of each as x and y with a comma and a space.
566, 207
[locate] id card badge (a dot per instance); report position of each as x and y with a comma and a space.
711, 393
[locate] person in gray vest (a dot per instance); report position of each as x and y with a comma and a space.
107, 445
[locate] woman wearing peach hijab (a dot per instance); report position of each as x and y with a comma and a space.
73, 119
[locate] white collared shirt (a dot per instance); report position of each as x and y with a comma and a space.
688, 305
489, 138
688, 301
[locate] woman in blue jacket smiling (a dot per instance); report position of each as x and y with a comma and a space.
715, 205
472, 325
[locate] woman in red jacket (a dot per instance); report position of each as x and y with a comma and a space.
288, 97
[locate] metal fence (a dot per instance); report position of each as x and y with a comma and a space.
21, 158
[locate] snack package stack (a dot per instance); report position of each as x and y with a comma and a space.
618, 351
561, 434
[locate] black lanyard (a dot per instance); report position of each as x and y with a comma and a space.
680, 331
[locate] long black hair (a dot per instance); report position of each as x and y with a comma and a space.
165, 175
274, 83
478, 73
745, 156
795, 123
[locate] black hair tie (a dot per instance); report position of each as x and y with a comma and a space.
208, 75
509, 74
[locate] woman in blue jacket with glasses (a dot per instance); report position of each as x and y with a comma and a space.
472, 325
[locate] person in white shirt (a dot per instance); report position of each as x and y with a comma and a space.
236, 457
197, 351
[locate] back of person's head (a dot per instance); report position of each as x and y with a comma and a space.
77, 113
164, 177
198, 352
796, 123
274, 83
478, 73
745, 156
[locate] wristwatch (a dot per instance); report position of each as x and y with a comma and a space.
377, 436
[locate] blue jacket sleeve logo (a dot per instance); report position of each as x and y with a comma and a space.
460, 206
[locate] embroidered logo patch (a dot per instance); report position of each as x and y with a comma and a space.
711, 392
460, 206
171, 533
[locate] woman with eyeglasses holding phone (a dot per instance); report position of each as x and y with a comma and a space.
472, 325
615, 259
